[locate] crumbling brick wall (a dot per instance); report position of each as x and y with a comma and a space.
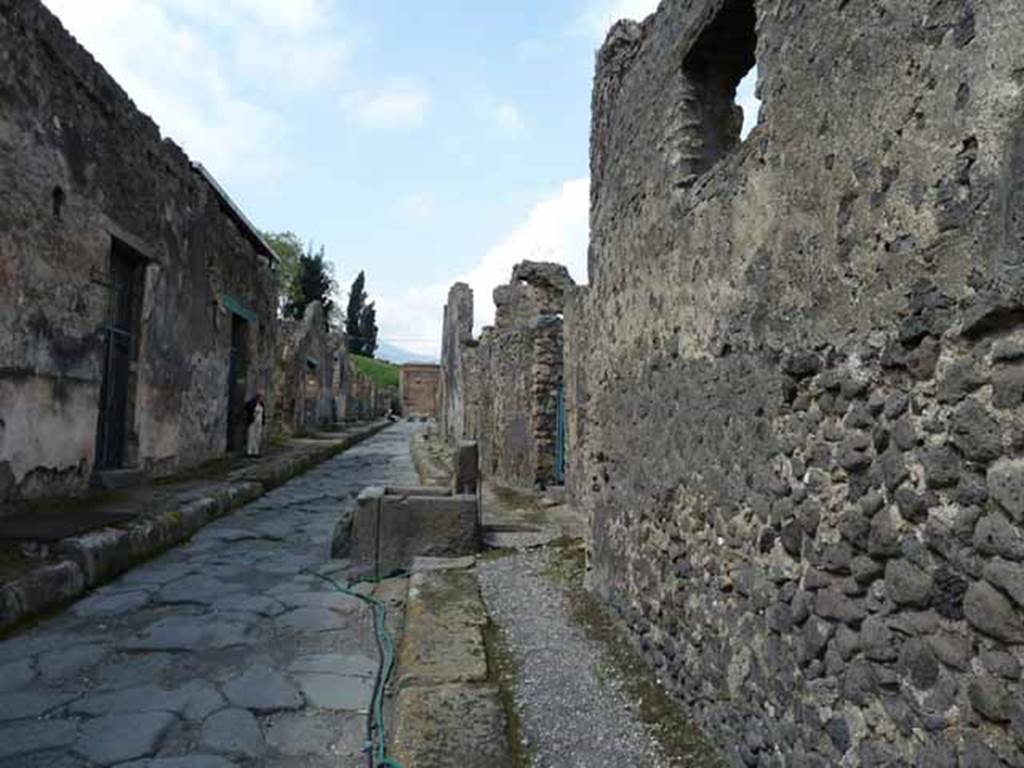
84, 172
501, 389
418, 389
797, 373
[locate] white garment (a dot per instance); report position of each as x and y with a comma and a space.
255, 432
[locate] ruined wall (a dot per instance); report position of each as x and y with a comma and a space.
341, 378
501, 390
82, 170
800, 370
418, 389
365, 399
304, 379
456, 338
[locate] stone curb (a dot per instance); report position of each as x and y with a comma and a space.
448, 712
97, 557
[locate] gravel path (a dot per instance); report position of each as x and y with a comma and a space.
222, 652
573, 710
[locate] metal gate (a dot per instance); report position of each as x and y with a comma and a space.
113, 427
560, 436
237, 373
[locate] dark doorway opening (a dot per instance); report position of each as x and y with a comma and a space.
238, 374
120, 352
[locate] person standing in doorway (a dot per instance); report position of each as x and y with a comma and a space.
255, 418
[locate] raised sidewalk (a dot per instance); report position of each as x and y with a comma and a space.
164, 514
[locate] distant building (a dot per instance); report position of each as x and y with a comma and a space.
419, 386
137, 302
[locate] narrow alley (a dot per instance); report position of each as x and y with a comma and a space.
228, 650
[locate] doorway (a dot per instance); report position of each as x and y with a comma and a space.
238, 373
122, 332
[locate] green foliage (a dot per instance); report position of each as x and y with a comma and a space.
368, 329
289, 250
305, 274
381, 372
361, 320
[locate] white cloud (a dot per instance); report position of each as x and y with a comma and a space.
400, 103
304, 63
555, 229
597, 19
190, 63
507, 121
414, 208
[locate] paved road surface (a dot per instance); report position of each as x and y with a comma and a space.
220, 653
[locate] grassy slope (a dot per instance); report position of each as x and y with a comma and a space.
383, 373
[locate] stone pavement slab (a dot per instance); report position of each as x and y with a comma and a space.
233, 732
36, 736
262, 689
223, 651
117, 738
328, 691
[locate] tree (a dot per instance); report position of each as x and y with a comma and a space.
314, 281
289, 250
305, 276
368, 329
360, 320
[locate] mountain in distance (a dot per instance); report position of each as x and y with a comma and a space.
394, 354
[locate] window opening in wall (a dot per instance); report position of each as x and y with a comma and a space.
58, 201
720, 71
746, 98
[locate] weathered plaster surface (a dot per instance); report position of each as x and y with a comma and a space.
82, 166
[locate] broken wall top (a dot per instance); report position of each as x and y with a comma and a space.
890, 148
537, 288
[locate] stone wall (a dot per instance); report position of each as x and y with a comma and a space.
87, 181
456, 338
418, 389
365, 399
308, 362
501, 389
797, 376
341, 375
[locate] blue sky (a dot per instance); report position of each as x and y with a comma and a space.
422, 142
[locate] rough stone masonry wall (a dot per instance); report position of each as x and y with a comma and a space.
798, 374
304, 378
365, 399
456, 338
81, 166
501, 390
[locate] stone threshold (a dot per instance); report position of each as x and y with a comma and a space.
91, 559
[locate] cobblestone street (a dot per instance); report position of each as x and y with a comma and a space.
225, 650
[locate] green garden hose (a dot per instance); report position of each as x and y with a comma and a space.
386, 647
